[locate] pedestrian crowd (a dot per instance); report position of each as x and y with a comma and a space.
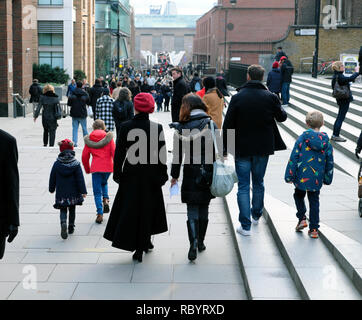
139, 166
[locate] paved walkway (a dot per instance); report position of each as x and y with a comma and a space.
85, 266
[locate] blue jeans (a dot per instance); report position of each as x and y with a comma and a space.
256, 167
313, 198
286, 92
100, 189
343, 109
75, 124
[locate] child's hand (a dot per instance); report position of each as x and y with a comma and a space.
84, 196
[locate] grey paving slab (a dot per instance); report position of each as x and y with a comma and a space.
92, 273
194, 273
44, 291
123, 291
18, 272
154, 273
211, 256
182, 291
12, 257
60, 257
52, 229
119, 258
6, 288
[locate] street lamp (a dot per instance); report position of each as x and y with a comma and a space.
316, 50
115, 7
233, 3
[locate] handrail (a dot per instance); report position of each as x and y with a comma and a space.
18, 99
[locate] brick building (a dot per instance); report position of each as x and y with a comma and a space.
18, 50
243, 31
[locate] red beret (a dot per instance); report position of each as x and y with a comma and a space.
283, 58
144, 102
66, 145
275, 65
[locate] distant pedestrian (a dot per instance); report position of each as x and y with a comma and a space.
122, 108
180, 89
115, 93
196, 83
94, 94
359, 146
214, 101
78, 102
133, 87
112, 86
104, 110
48, 102
221, 84
310, 166
9, 190
67, 180
252, 114
280, 54
343, 103
274, 81
287, 71
145, 87
194, 130
35, 93
71, 88
139, 211
159, 100
100, 145
167, 94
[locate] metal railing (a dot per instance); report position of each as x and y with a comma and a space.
18, 100
304, 61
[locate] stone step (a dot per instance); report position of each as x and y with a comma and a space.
314, 269
263, 269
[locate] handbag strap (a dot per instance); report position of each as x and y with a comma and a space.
214, 139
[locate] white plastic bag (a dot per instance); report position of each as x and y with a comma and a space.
90, 112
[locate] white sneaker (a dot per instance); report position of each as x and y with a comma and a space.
256, 222
243, 232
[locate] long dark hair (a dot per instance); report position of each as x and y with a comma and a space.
191, 102
210, 86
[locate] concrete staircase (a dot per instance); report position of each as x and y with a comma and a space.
279, 263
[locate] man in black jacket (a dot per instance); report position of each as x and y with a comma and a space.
94, 94
9, 190
78, 102
35, 92
180, 89
250, 122
280, 54
287, 71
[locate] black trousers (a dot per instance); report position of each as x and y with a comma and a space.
49, 134
63, 215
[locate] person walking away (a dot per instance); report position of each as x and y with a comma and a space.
214, 101
159, 101
167, 94
274, 81
134, 89
343, 104
67, 180
194, 129
94, 94
122, 108
100, 145
280, 53
116, 91
196, 83
71, 88
112, 86
309, 167
9, 190
145, 87
222, 85
104, 109
78, 102
180, 89
125, 82
35, 93
48, 102
287, 71
201, 93
139, 211
252, 114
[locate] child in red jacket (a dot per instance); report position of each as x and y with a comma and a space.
101, 146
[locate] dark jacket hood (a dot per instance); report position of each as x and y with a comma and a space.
79, 92
317, 141
68, 163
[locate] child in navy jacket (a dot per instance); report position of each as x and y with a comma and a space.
310, 166
66, 178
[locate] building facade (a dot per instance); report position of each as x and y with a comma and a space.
113, 20
18, 50
243, 32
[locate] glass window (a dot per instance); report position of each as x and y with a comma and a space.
50, 39
55, 59
50, 2
57, 39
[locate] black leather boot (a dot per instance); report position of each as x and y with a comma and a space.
2, 246
193, 231
138, 255
202, 232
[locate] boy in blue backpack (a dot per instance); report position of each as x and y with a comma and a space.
310, 166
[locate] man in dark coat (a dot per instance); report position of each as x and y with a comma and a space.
78, 102
180, 89
287, 71
140, 170
252, 114
9, 190
95, 93
280, 54
35, 92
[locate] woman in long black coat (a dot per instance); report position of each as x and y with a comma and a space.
140, 170
48, 101
198, 167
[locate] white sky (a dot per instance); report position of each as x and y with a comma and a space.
192, 7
